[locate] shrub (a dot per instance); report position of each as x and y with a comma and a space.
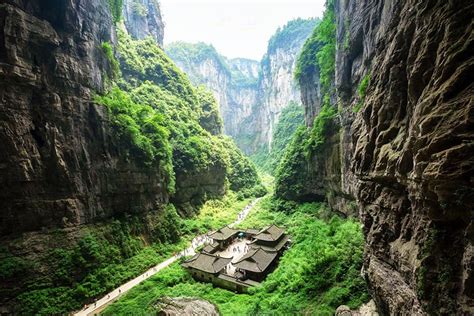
321, 127
116, 9
109, 54
319, 52
361, 91
318, 273
141, 129
292, 175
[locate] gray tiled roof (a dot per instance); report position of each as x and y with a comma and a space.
271, 233
223, 233
207, 262
276, 247
252, 231
211, 248
256, 260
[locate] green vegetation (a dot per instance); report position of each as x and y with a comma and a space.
209, 117
109, 54
319, 52
318, 273
292, 173
321, 127
116, 9
104, 257
293, 32
317, 56
291, 117
242, 173
139, 9
11, 266
162, 123
140, 128
111, 253
361, 91
158, 111
214, 214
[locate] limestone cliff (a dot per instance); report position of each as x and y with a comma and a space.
402, 148
251, 95
277, 87
58, 161
143, 18
232, 81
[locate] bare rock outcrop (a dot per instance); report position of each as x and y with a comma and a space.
185, 306
142, 18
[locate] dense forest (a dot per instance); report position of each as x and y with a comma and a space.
122, 156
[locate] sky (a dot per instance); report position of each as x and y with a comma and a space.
236, 28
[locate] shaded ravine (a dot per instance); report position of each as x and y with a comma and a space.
112, 296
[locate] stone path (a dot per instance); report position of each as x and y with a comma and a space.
109, 298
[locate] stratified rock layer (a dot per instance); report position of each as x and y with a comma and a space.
58, 164
407, 156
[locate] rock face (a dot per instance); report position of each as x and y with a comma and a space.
143, 18
232, 81
407, 156
58, 161
186, 306
251, 95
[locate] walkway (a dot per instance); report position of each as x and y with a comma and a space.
109, 298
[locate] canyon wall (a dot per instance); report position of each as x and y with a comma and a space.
251, 95
142, 18
60, 164
401, 151
277, 86
232, 81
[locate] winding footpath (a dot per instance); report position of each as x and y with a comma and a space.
111, 297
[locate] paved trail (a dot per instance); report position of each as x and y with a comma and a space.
100, 304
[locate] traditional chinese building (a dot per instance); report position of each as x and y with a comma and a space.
224, 237
205, 267
238, 259
255, 264
271, 238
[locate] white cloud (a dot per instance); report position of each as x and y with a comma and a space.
236, 28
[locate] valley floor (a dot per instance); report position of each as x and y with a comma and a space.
317, 274
112, 296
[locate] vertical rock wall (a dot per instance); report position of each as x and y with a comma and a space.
413, 153
406, 156
59, 165
143, 18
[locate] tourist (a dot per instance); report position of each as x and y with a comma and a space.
120, 291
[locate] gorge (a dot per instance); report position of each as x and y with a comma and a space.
116, 150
